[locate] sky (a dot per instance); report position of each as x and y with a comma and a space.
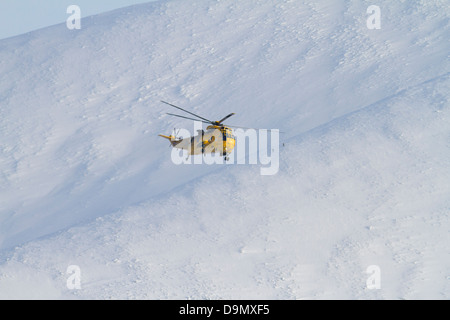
21, 16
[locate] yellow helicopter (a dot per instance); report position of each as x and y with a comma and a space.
217, 137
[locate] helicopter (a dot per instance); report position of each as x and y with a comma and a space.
218, 137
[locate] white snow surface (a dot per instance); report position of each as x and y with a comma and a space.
364, 176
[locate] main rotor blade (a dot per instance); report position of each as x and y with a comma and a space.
209, 121
238, 127
177, 115
220, 121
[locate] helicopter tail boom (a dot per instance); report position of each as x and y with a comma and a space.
172, 139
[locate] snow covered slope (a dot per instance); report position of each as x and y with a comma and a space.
363, 177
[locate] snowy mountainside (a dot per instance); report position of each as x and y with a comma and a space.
367, 189
363, 177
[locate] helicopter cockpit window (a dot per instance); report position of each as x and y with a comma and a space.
229, 135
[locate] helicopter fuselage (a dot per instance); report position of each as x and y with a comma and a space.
212, 140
